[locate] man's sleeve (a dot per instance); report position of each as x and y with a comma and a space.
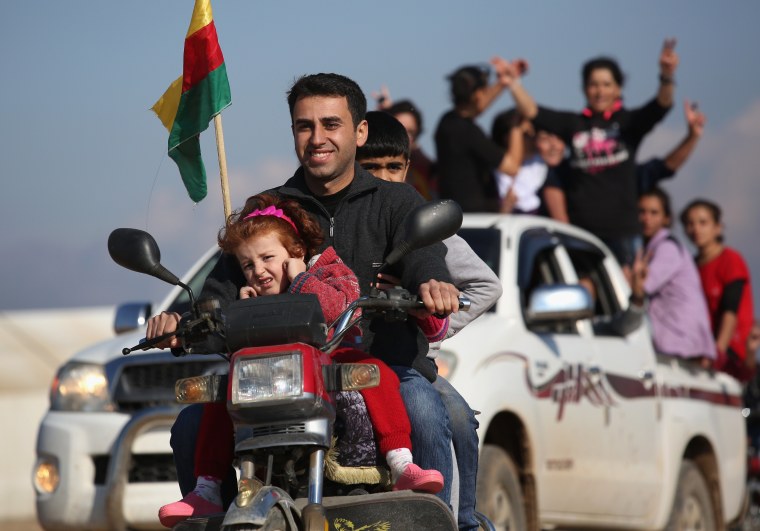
622, 323
735, 278
645, 118
650, 173
474, 279
732, 296
422, 265
224, 281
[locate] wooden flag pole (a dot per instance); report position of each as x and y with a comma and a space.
222, 165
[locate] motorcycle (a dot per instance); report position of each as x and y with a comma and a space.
282, 393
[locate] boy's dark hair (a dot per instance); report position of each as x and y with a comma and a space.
331, 85
466, 80
664, 199
603, 63
386, 137
407, 106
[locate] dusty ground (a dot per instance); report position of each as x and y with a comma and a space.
20, 525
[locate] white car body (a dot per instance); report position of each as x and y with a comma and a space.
598, 426
82, 443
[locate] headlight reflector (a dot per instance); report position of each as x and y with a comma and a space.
80, 387
260, 379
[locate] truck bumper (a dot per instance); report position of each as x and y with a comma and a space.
100, 486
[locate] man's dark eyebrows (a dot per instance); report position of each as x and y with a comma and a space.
303, 121
331, 119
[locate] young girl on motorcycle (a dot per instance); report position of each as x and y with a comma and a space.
271, 239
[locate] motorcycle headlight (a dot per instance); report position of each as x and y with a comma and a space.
80, 387
261, 379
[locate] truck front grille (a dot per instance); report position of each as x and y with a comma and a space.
151, 384
143, 468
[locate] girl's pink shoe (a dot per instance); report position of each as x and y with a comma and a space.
414, 478
190, 505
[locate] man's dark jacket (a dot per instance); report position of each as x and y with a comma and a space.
367, 224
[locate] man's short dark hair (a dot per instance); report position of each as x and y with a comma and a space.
386, 137
330, 85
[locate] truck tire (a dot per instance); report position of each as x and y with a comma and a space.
499, 495
692, 506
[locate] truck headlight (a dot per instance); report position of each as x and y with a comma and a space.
80, 387
261, 379
46, 476
447, 362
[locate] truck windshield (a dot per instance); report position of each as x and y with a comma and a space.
486, 244
182, 303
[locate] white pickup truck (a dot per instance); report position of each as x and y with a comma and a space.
577, 428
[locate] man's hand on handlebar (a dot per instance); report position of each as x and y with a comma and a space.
440, 298
164, 323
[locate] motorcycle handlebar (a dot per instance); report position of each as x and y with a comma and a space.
405, 304
344, 322
145, 344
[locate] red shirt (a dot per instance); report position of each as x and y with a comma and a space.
727, 267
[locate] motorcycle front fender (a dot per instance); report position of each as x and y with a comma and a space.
255, 513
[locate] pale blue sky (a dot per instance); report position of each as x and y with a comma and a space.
80, 154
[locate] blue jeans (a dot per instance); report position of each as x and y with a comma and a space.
184, 436
431, 436
464, 435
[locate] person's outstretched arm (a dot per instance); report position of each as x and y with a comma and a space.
556, 203
509, 75
668, 65
695, 121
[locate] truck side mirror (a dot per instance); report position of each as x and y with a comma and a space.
559, 302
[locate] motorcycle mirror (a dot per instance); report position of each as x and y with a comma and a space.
137, 250
429, 223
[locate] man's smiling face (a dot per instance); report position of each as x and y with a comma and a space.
326, 140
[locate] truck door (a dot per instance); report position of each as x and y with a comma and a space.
621, 370
569, 413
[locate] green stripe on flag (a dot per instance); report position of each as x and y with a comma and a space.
199, 104
188, 158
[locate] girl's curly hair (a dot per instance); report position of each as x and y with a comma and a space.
238, 229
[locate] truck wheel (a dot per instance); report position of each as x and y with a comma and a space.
692, 507
499, 495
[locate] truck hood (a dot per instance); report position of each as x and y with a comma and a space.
104, 351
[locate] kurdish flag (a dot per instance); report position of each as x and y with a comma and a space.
194, 98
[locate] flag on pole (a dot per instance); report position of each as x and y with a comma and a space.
194, 98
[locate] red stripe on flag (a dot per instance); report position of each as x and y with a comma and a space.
202, 55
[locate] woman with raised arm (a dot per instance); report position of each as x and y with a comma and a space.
603, 138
